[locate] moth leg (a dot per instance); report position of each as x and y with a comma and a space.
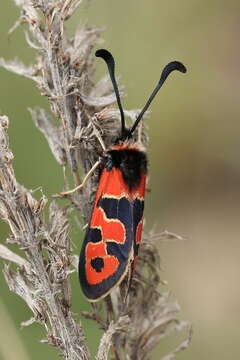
79, 187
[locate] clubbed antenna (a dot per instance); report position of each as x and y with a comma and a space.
174, 65
108, 58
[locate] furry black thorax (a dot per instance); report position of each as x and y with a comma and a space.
131, 162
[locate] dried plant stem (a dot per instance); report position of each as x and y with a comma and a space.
37, 279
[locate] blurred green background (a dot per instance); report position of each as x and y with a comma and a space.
194, 147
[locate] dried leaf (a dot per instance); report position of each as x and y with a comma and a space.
122, 324
52, 133
19, 68
9, 255
183, 346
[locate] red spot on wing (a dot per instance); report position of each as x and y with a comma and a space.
94, 250
139, 232
112, 184
111, 229
111, 264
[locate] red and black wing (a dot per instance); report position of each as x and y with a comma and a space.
113, 236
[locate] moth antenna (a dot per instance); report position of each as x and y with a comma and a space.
174, 65
109, 59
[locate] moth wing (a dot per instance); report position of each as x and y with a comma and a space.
108, 244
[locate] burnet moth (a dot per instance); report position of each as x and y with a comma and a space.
110, 246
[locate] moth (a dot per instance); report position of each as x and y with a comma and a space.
111, 243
